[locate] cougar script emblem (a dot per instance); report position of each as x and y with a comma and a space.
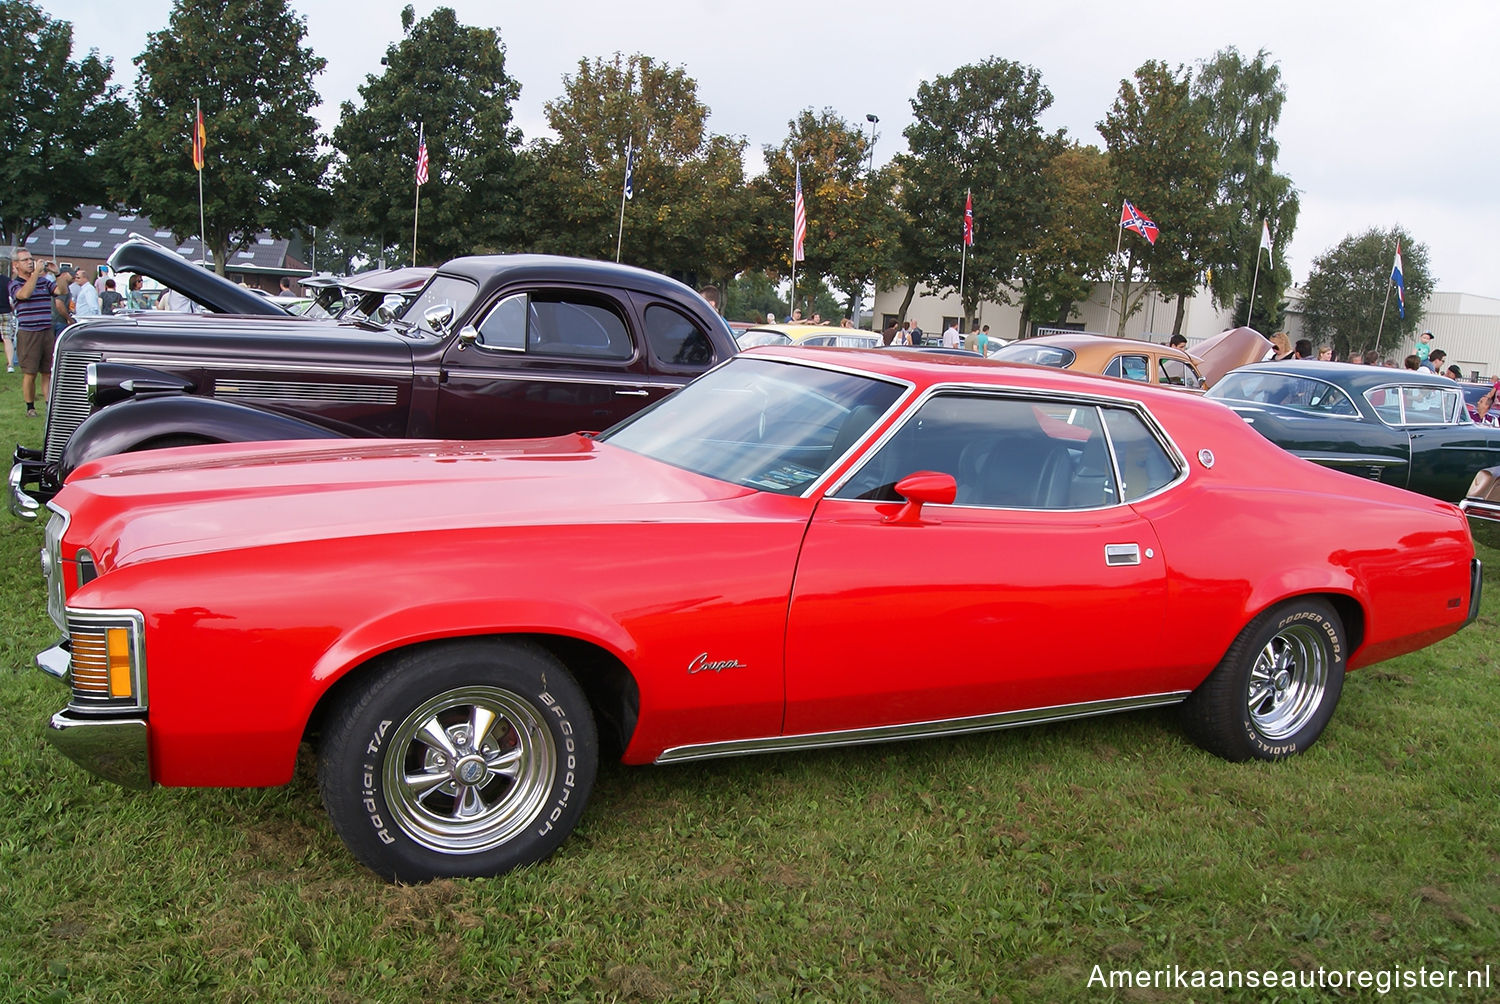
703, 664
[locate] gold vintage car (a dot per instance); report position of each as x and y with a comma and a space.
1142, 361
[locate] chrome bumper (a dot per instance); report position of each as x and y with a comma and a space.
115, 749
27, 468
1484, 520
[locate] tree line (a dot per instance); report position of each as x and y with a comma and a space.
1194, 148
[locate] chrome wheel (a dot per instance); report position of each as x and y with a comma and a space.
1287, 681
469, 769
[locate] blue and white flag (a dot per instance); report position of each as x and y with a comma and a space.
1400, 283
629, 169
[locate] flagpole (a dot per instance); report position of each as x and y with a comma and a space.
202, 236
1250, 312
620, 234
1383, 308
416, 209
1109, 317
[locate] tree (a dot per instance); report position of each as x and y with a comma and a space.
1243, 100
262, 169
852, 223
975, 131
687, 216
1349, 302
1166, 164
447, 81
1071, 250
58, 114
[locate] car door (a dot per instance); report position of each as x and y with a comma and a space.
1447, 448
545, 362
1039, 587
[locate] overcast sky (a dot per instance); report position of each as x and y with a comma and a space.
1390, 114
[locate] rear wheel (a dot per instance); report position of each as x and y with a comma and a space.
469, 758
1276, 688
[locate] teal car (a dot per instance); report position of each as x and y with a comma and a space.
1406, 428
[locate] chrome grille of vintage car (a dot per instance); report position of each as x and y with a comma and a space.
305, 390
69, 403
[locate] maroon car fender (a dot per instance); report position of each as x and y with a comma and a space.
132, 425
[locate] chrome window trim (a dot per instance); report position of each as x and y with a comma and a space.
1069, 398
136, 621
527, 353
1358, 416
916, 730
1401, 388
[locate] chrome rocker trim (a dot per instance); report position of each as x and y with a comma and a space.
916, 730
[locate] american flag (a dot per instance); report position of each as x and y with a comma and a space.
421, 157
969, 219
799, 222
1132, 219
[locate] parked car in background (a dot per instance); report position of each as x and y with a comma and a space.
504, 345
828, 336
1142, 361
1403, 427
800, 549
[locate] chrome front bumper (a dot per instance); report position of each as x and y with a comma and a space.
1484, 520
27, 468
115, 748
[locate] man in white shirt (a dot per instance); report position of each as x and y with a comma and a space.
951, 338
85, 296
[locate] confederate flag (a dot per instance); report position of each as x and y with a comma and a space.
1131, 219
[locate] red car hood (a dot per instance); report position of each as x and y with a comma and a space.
208, 498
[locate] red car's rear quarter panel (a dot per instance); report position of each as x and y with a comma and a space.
1259, 526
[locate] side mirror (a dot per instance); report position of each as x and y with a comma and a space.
923, 488
467, 335
389, 308
438, 317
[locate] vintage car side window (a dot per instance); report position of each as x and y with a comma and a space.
553, 324
1144, 464
1129, 367
1002, 453
505, 327
1428, 405
440, 291
677, 341
1037, 355
1179, 374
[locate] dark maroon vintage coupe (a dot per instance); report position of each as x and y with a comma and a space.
506, 346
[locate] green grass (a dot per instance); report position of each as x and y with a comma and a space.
1002, 867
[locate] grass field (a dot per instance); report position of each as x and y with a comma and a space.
1004, 867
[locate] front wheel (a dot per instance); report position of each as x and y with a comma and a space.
1276, 688
464, 759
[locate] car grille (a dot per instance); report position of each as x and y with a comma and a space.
69, 404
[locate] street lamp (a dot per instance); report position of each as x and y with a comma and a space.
874, 120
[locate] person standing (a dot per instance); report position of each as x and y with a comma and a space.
951, 338
8, 326
85, 296
110, 301
34, 293
62, 301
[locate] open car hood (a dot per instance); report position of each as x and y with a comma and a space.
208, 288
1229, 350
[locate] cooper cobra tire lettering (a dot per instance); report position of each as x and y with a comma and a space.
1276, 688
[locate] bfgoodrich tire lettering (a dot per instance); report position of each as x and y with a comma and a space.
1277, 686
468, 758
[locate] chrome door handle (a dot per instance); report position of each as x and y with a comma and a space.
1122, 554
631, 393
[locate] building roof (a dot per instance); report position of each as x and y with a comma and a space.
97, 232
